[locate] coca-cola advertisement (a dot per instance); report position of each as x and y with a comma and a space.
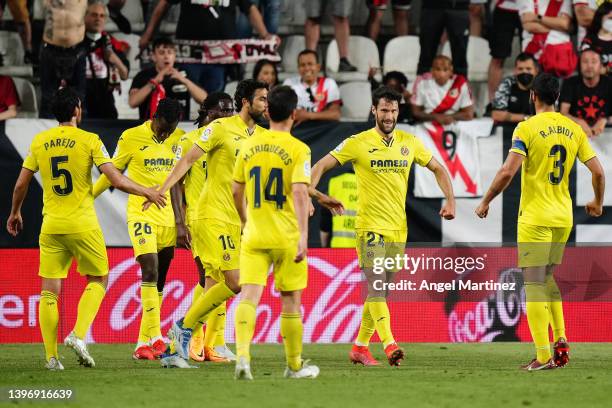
488, 308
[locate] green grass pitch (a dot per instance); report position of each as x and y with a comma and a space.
433, 375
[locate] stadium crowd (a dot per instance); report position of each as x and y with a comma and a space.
329, 51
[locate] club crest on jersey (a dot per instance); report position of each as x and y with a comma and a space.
206, 134
226, 257
307, 168
453, 93
405, 151
142, 241
340, 146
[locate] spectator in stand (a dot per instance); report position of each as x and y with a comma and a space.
399, 83
599, 36
584, 10
21, 18
511, 103
318, 96
206, 20
587, 98
163, 80
441, 95
104, 66
546, 34
312, 28
62, 57
437, 16
477, 14
401, 9
9, 100
267, 72
270, 9
506, 22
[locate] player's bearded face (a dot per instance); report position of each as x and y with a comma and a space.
260, 104
386, 114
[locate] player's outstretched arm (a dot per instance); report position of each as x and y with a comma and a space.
101, 185
444, 181
595, 207
300, 203
500, 182
239, 201
14, 224
327, 163
123, 183
183, 236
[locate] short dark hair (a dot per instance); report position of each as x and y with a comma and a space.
525, 56
398, 76
262, 63
306, 52
169, 109
282, 101
594, 51
597, 21
384, 92
210, 102
64, 102
246, 90
546, 88
163, 42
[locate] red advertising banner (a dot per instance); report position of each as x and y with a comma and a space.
332, 303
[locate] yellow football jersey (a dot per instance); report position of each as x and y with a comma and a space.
269, 163
221, 141
196, 176
382, 170
64, 156
148, 162
550, 143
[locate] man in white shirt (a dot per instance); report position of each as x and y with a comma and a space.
441, 95
318, 96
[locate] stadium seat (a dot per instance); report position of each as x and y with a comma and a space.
363, 53
12, 50
168, 24
478, 58
356, 101
133, 12
121, 101
290, 48
230, 88
401, 54
131, 39
27, 96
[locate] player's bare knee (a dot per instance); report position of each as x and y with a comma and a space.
291, 301
232, 280
102, 280
51, 285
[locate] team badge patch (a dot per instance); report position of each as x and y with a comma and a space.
453, 93
142, 241
226, 257
405, 151
206, 134
340, 146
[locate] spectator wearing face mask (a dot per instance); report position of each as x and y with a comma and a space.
599, 36
511, 101
587, 98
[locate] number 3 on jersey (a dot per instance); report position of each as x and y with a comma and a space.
557, 164
274, 182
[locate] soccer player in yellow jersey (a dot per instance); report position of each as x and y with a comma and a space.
64, 156
382, 158
148, 153
546, 147
206, 345
273, 173
217, 223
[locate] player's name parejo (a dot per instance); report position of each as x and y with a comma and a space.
440, 287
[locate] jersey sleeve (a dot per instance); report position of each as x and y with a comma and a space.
465, 97
238, 175
346, 151
525, 6
210, 137
99, 153
520, 139
333, 92
30, 162
417, 93
422, 155
123, 153
566, 8
585, 150
301, 169
184, 145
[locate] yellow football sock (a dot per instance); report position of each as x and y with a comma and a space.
291, 329
246, 316
88, 308
536, 295
198, 290
150, 324
367, 327
220, 339
160, 298
209, 301
48, 316
382, 319
214, 324
555, 306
